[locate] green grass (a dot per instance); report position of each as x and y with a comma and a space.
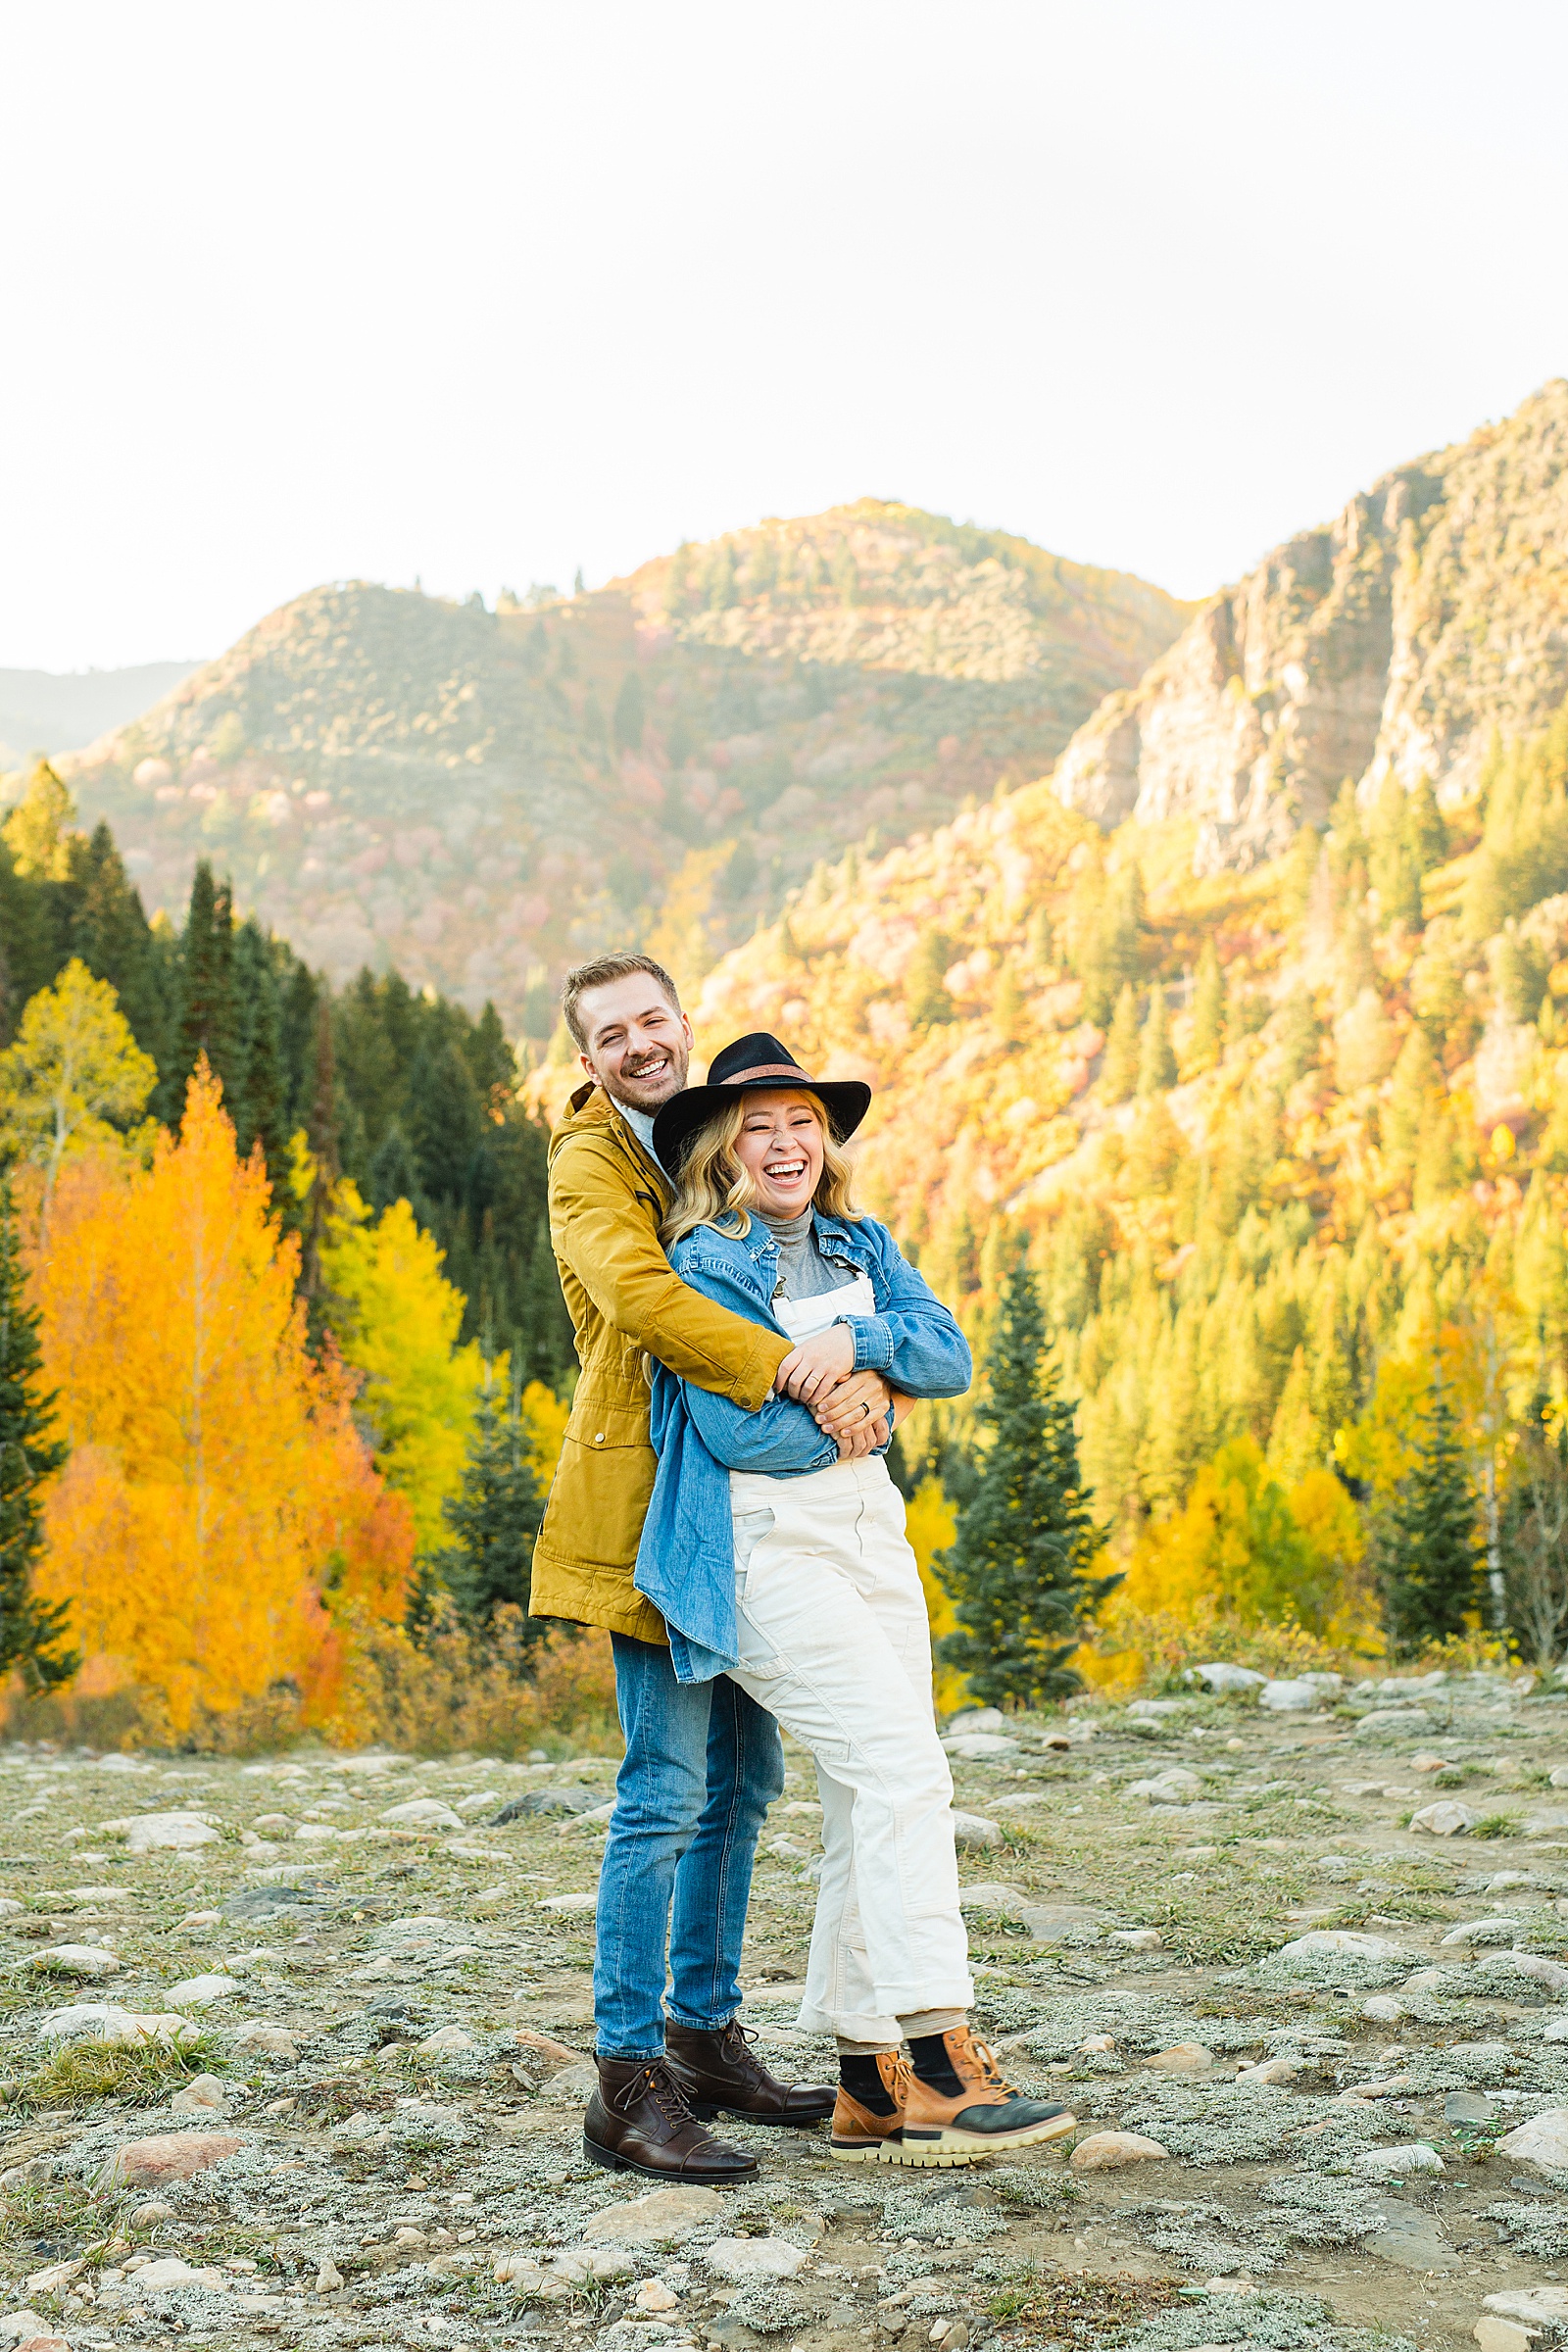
86, 2072
1496, 1825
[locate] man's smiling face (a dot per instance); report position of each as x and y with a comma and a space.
639, 1045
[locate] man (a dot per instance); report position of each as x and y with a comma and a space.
703, 1761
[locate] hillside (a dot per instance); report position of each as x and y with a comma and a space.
1432, 611
480, 796
1257, 1129
62, 710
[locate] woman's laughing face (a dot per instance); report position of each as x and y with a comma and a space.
780, 1147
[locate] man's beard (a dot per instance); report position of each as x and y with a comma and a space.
629, 1089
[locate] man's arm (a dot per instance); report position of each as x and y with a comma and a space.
601, 1229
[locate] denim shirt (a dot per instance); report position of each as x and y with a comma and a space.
686, 1559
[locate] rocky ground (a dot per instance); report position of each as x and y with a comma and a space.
295, 2051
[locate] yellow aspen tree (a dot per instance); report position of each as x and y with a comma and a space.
217, 1494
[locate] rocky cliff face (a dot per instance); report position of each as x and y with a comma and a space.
1432, 611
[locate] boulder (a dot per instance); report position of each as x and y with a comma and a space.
1342, 1940
981, 1747
202, 2095
448, 2037
1448, 1818
1177, 1787
423, 1813
664, 2216
1496, 1930
568, 1902
169, 2156
178, 1833
201, 1993
79, 1960
1398, 2164
1220, 1675
1105, 2151
1548, 2306
1289, 1698
1008, 1900
971, 1829
1137, 1939
1493, 2334
1543, 2140
976, 1718
738, 2258
271, 2040
1534, 1965
578, 2263
1182, 2058
1394, 1718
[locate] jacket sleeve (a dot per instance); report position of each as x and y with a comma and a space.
601, 1229
779, 1438
912, 1338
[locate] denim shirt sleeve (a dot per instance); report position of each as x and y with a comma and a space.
781, 1434
912, 1338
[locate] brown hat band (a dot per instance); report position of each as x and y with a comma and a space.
769, 1069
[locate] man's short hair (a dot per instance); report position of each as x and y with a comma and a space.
598, 974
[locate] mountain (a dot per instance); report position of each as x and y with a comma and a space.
54, 711
1392, 641
482, 797
1257, 1131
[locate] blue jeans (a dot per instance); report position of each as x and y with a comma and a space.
703, 1764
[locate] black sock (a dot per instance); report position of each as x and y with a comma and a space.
861, 2079
928, 2055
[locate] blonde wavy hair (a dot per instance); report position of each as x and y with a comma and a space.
713, 1189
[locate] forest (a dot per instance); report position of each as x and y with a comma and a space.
282, 1338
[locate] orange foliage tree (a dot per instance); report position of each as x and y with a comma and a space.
217, 1499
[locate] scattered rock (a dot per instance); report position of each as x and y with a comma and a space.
569, 1902
1394, 1718
79, 1960
203, 2093
1342, 1939
1534, 1965
1105, 2151
169, 2156
1272, 2070
653, 2296
328, 2278
1382, 2009
664, 2216
982, 1747
971, 1829
1468, 2107
554, 2054
1481, 1930
580, 2262
253, 1906
1219, 1675
448, 2037
203, 1992
1448, 1818
1007, 1900
1547, 2304
541, 1800
1182, 2058
1137, 1939
976, 1718
739, 2258
1177, 1787
179, 1832
423, 1813
1543, 2140
273, 2040
1398, 2164
1290, 1698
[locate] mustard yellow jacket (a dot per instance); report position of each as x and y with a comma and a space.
607, 1196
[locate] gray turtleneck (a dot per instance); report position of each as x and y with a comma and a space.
803, 1271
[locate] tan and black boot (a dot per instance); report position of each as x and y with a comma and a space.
958, 2107
867, 2121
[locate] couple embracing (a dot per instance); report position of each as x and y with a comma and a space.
748, 1340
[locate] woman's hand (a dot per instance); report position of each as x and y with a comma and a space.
813, 1367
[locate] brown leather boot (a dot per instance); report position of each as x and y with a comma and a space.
720, 2076
860, 2135
638, 2121
971, 2111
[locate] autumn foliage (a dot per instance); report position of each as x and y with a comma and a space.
218, 1510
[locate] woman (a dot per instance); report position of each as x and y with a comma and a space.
787, 1568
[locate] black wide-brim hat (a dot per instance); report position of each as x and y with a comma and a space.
759, 1065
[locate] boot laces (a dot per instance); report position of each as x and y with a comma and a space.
736, 2042
984, 2059
659, 2084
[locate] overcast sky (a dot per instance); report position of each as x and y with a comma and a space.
481, 293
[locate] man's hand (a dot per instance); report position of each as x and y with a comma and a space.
852, 1405
810, 1369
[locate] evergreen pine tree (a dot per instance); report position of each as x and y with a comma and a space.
494, 1518
207, 1023
927, 989
1019, 1570
1426, 1537
1157, 1064
1120, 1069
33, 1633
